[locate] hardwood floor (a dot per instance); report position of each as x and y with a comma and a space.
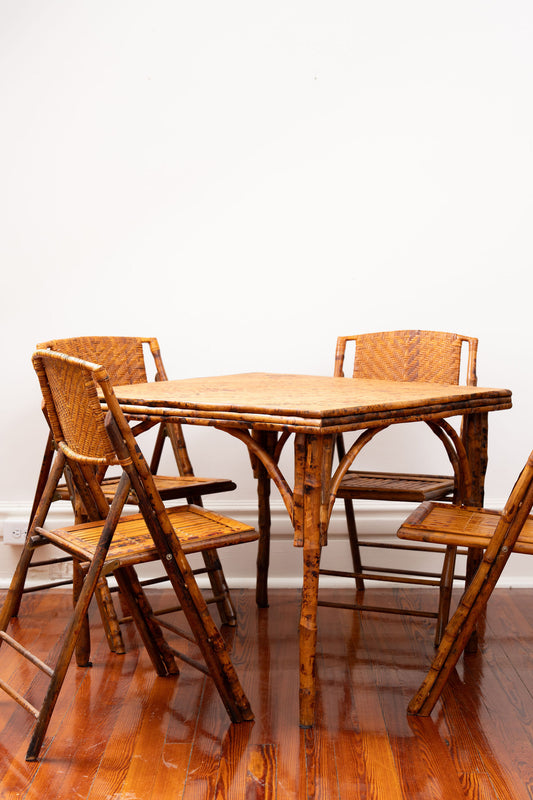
120, 732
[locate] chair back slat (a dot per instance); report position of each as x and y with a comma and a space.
409, 355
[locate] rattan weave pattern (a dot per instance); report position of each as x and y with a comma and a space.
122, 356
83, 431
410, 355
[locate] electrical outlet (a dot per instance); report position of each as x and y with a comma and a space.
15, 531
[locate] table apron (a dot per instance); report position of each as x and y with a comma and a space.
328, 426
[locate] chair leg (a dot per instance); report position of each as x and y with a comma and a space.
143, 616
109, 618
65, 655
83, 641
208, 637
11, 603
457, 634
219, 587
41, 484
445, 592
158, 650
354, 543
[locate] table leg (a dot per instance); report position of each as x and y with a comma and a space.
475, 439
267, 440
311, 456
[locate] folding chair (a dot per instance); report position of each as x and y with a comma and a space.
125, 361
88, 440
499, 535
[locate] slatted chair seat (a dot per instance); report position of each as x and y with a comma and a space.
197, 528
458, 525
394, 486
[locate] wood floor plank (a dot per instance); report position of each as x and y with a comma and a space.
171, 770
261, 779
120, 732
390, 644
278, 709
353, 714
497, 685
20, 773
234, 760
481, 771
94, 707
135, 709
266, 657
362, 738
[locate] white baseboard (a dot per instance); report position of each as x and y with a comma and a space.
376, 522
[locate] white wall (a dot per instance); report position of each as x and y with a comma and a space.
248, 180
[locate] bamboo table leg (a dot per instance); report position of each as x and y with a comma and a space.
312, 465
267, 440
475, 439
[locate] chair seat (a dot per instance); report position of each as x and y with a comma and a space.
196, 528
169, 487
357, 485
441, 523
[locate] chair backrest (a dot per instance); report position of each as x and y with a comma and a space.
87, 437
123, 358
73, 408
409, 355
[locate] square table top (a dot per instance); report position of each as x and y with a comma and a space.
306, 403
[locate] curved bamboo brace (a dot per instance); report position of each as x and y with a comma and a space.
269, 464
281, 444
347, 462
456, 452
449, 437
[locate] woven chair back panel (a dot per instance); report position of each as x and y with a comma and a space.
122, 356
428, 356
78, 409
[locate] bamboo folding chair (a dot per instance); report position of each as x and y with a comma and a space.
407, 355
497, 534
87, 440
125, 362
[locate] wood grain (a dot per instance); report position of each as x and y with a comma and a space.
121, 732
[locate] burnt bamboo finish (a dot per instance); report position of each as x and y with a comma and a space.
125, 359
414, 356
316, 409
88, 439
120, 731
496, 535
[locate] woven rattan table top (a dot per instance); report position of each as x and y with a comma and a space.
304, 402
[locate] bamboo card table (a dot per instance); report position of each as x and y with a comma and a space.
255, 407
